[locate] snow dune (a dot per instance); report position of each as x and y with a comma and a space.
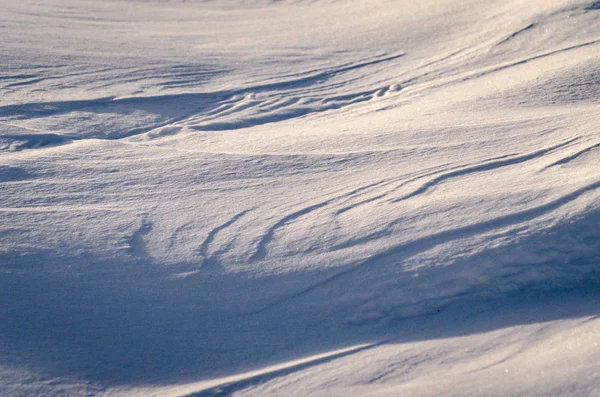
299, 197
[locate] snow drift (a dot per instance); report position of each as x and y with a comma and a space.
197, 189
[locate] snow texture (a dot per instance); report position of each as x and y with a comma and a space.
299, 197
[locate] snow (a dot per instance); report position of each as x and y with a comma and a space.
258, 197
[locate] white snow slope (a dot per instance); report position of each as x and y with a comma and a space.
299, 197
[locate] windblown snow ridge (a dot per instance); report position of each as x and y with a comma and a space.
285, 98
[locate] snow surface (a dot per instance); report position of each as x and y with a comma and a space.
309, 197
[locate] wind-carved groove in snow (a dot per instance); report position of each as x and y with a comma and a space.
303, 100
285, 111
410, 360
176, 232
271, 102
517, 33
481, 168
498, 68
262, 245
402, 182
410, 249
533, 58
572, 157
312, 78
203, 250
262, 103
137, 243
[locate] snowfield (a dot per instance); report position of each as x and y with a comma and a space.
299, 197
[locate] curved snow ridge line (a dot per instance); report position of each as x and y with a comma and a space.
283, 108
482, 168
325, 75
268, 111
572, 157
261, 247
192, 107
461, 77
453, 62
409, 249
203, 250
403, 182
261, 250
289, 112
228, 386
516, 33
533, 58
237, 103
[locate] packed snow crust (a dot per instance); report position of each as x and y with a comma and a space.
333, 198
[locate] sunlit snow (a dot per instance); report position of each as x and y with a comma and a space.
299, 197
